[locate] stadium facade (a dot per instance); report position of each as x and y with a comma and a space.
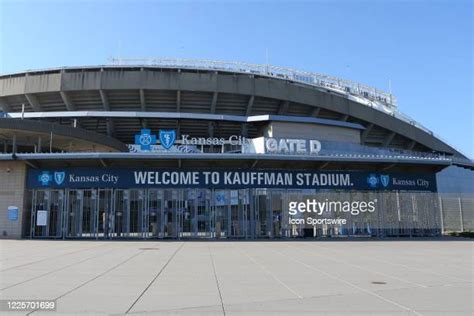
203, 149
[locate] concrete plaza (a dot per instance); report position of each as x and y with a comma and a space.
417, 277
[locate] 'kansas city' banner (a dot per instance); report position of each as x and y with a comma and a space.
82, 178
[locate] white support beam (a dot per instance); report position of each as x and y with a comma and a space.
411, 145
143, 122
105, 100
250, 105
324, 165
103, 162
31, 164
245, 130
366, 132
178, 128
254, 164
284, 105
210, 127
390, 166
214, 102
315, 112
67, 101
142, 100
344, 118
110, 127
389, 139
33, 101
178, 101
106, 105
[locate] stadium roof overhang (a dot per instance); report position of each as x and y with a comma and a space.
186, 116
213, 160
59, 137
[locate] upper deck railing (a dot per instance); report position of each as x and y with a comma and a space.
339, 85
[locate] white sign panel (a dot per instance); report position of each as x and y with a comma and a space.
262, 145
41, 218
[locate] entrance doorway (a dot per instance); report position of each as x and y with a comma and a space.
144, 213
47, 213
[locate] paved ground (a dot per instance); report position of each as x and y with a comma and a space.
235, 278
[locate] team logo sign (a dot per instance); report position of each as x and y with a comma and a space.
385, 180
167, 138
45, 178
145, 139
372, 180
59, 177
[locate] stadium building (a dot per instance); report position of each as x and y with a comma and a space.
202, 149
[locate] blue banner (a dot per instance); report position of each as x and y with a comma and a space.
233, 179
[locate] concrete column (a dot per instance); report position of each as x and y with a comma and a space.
460, 214
14, 144
39, 144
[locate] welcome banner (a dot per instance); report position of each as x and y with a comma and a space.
233, 179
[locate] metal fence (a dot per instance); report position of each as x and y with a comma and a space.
457, 212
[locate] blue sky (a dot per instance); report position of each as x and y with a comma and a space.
424, 47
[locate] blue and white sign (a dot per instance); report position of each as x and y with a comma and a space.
373, 180
167, 138
12, 213
45, 178
59, 177
385, 180
145, 139
229, 179
376, 181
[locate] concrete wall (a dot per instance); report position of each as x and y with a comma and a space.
12, 193
312, 131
